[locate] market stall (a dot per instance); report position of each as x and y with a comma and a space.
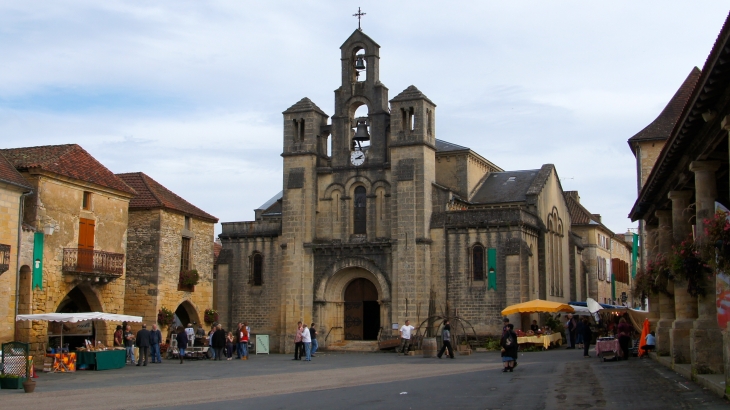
539, 306
94, 354
544, 340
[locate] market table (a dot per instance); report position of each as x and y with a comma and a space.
103, 360
544, 340
607, 348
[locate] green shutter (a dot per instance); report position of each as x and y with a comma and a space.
634, 253
38, 260
492, 268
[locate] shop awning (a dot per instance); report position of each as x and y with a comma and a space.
538, 306
79, 317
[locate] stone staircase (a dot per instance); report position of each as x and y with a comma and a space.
353, 346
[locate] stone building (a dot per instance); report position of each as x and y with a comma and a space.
13, 189
379, 221
621, 277
689, 176
77, 216
606, 257
167, 235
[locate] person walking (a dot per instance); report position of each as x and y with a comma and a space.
624, 338
155, 340
307, 340
313, 334
405, 337
219, 342
143, 342
210, 338
298, 342
509, 348
579, 329
446, 340
182, 342
570, 332
229, 346
244, 341
129, 343
587, 336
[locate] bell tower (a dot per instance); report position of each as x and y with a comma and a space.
361, 86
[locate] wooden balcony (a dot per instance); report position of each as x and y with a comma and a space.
4, 258
95, 264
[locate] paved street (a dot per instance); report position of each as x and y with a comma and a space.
557, 379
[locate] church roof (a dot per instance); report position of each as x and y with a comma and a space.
273, 205
445, 146
508, 186
304, 105
152, 195
359, 35
662, 126
69, 160
10, 175
411, 93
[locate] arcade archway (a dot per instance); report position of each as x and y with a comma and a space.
80, 299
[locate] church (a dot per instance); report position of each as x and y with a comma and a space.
380, 222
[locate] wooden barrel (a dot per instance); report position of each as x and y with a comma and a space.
429, 347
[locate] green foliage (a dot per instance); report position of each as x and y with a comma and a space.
686, 264
492, 344
211, 316
165, 317
189, 278
9, 376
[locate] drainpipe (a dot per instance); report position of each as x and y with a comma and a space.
17, 262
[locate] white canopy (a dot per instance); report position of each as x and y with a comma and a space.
79, 317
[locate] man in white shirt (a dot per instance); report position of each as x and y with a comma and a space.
405, 337
307, 340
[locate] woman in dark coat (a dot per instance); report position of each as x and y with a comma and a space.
182, 342
509, 348
219, 342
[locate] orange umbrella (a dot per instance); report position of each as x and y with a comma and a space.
642, 342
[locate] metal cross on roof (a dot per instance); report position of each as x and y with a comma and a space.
359, 16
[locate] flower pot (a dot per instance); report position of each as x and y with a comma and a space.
11, 383
29, 386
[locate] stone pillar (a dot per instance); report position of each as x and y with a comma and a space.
685, 305
651, 252
705, 337
666, 302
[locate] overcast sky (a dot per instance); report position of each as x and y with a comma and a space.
191, 92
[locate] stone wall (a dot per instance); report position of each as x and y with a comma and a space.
10, 197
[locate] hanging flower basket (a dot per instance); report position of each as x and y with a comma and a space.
716, 245
164, 317
211, 316
654, 279
189, 278
687, 264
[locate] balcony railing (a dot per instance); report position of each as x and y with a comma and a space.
94, 263
4, 258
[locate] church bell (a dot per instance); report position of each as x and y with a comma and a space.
360, 63
361, 134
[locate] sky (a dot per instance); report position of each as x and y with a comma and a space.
191, 92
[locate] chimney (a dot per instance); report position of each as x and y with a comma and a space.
574, 195
597, 217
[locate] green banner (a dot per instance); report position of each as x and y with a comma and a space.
492, 268
38, 260
634, 254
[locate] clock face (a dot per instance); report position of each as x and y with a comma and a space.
357, 158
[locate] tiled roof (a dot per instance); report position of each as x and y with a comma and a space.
579, 215
304, 105
151, 194
217, 246
444, 146
10, 175
663, 125
411, 93
502, 187
68, 160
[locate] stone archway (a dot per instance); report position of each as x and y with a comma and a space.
187, 313
333, 295
81, 298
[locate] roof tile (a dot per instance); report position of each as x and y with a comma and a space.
10, 175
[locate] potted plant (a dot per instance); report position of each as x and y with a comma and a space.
687, 265
11, 381
188, 279
164, 317
210, 316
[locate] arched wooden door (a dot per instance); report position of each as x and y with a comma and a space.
362, 310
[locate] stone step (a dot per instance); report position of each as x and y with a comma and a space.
353, 346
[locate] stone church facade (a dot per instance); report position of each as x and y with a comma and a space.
387, 223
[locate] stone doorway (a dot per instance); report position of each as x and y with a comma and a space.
362, 310
79, 300
186, 313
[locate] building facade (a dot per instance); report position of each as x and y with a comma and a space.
379, 221
167, 236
